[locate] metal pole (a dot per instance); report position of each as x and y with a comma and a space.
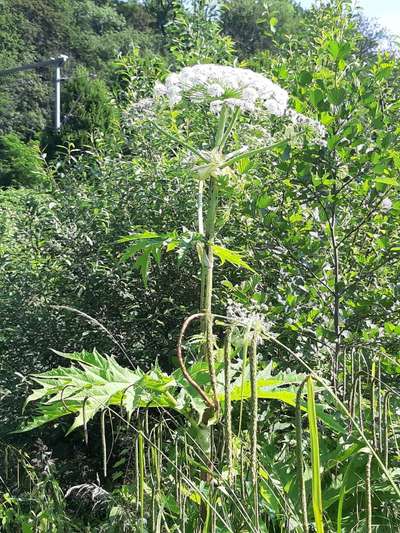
57, 62
57, 98
57, 91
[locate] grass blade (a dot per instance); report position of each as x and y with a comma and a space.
315, 464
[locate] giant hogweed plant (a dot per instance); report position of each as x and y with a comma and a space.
204, 391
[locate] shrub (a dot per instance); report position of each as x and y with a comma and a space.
21, 163
89, 110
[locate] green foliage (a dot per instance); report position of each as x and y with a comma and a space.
91, 33
230, 256
89, 111
151, 244
139, 16
194, 37
134, 74
25, 97
319, 223
99, 382
252, 24
38, 503
21, 163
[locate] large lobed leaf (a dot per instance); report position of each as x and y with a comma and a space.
100, 382
96, 382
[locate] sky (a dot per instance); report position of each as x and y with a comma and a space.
387, 12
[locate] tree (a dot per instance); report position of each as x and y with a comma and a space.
252, 24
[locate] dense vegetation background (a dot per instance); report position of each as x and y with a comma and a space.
67, 197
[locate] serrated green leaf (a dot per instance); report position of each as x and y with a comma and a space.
230, 256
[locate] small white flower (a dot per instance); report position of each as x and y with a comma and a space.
274, 107
250, 93
386, 205
216, 106
214, 89
251, 318
174, 95
173, 79
159, 89
244, 105
145, 104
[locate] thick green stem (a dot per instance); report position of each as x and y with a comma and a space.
200, 218
207, 271
203, 438
201, 249
207, 256
244, 365
254, 425
228, 405
103, 441
386, 406
203, 289
373, 405
368, 494
209, 265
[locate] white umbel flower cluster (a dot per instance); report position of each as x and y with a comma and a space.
142, 109
253, 319
219, 85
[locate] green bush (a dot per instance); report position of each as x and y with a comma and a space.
89, 114
134, 74
88, 109
21, 163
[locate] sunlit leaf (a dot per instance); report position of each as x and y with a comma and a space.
234, 258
